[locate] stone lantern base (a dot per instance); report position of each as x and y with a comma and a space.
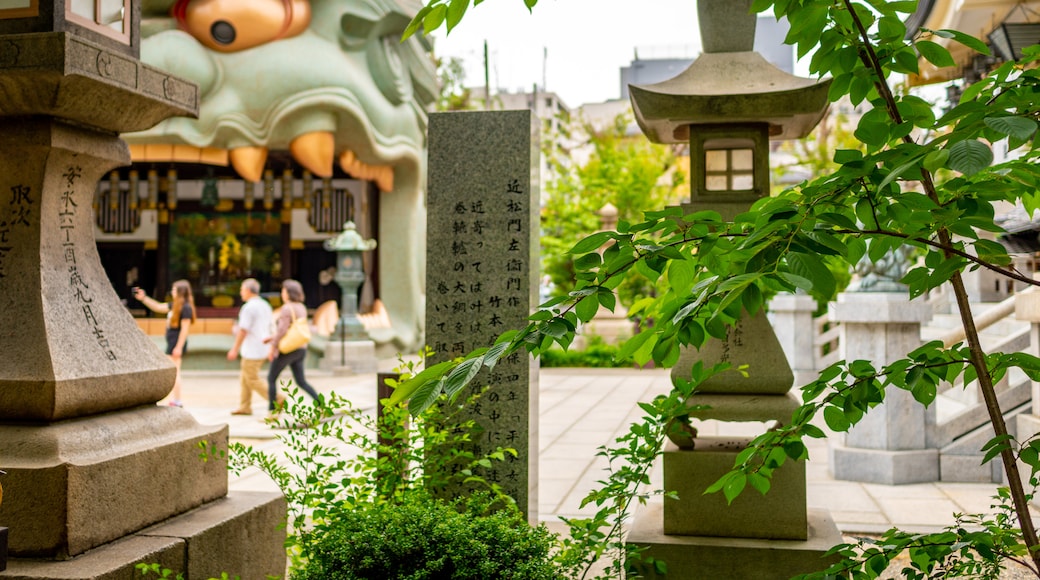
351, 357
703, 557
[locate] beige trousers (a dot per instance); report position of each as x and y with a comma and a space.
251, 382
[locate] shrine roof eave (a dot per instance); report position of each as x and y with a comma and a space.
721, 88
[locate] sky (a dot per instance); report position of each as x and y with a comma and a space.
582, 44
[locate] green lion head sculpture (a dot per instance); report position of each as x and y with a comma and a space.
328, 81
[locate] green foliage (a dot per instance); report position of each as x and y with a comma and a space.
632, 174
395, 458
596, 354
973, 547
918, 183
421, 537
147, 570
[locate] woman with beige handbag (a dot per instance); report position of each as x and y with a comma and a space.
289, 343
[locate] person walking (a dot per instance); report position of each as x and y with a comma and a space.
180, 315
254, 325
292, 309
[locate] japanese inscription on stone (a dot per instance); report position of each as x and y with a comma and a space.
479, 269
80, 291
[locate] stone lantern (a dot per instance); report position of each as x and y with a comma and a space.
727, 106
355, 349
98, 477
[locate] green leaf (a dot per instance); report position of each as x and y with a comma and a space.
435, 18
970, 157
587, 308
1012, 126
936, 160
734, 486
967, 40
406, 389
836, 419
456, 10
935, 53
680, 275
591, 243
812, 268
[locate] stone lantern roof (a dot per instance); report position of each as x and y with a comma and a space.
349, 240
729, 84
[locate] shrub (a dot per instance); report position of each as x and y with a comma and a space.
422, 538
596, 354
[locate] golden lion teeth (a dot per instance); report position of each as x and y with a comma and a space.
249, 162
382, 175
315, 151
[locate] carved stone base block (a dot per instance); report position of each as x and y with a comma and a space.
75, 485
780, 514
705, 558
883, 466
241, 534
356, 357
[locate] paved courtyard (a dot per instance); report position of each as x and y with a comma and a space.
582, 409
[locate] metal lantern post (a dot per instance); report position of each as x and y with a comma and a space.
350, 274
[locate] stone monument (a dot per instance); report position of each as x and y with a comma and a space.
98, 477
728, 104
481, 260
349, 349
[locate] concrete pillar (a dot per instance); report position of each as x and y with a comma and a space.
792, 319
1027, 307
888, 446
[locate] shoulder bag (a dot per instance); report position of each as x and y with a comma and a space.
298, 335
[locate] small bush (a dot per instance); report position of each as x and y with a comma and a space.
596, 354
426, 539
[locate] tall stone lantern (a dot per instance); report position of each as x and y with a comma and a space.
727, 106
98, 477
350, 346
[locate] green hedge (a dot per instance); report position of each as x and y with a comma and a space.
426, 539
596, 354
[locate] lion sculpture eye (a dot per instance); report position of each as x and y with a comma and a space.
233, 25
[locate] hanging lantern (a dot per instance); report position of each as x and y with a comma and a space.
287, 188
132, 181
308, 189
287, 196
210, 193
268, 190
153, 188
171, 189
113, 190
249, 195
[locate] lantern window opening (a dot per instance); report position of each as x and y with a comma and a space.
729, 161
19, 9
729, 166
108, 17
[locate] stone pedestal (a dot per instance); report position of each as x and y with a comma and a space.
91, 462
888, 446
792, 319
698, 514
708, 558
351, 357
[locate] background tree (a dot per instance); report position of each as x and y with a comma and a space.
626, 171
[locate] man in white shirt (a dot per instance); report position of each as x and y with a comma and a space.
254, 325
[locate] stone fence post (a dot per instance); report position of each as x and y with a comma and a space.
888, 446
792, 318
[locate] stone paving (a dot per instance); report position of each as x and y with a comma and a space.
583, 409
